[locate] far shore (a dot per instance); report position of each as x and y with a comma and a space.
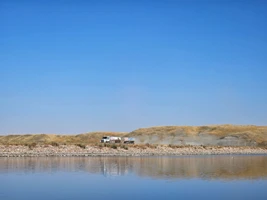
123, 150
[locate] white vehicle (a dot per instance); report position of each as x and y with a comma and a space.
128, 140
110, 139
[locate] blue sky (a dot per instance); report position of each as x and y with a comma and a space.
78, 66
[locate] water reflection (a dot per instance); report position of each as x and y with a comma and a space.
204, 167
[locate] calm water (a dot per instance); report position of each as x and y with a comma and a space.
198, 177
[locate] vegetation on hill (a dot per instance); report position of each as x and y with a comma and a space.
87, 138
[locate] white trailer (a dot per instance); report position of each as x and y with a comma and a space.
110, 139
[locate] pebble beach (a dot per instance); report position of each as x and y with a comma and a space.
130, 150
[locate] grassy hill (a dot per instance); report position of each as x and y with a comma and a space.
219, 135
86, 138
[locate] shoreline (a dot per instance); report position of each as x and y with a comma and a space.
124, 150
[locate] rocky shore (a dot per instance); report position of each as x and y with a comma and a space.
119, 150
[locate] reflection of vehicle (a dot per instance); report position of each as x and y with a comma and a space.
110, 139
113, 166
128, 140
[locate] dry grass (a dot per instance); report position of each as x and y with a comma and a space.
255, 133
50, 139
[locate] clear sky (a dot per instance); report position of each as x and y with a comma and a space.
79, 66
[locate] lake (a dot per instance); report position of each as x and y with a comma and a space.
183, 177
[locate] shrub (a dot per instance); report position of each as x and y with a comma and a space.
108, 145
140, 146
114, 146
175, 146
125, 147
54, 144
32, 145
81, 146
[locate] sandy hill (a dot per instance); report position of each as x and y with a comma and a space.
222, 135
